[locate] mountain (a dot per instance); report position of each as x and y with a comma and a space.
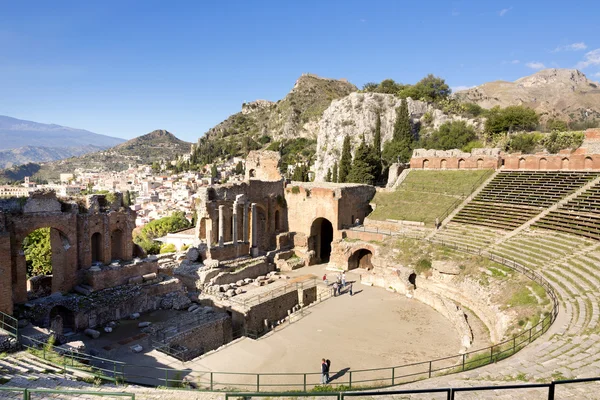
154, 146
565, 94
15, 133
29, 154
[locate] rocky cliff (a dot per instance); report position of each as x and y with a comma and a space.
566, 94
356, 114
296, 115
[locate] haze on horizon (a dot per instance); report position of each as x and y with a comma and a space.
125, 69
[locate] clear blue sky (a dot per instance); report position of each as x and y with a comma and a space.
124, 68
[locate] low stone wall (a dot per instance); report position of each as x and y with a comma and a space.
111, 276
262, 267
228, 251
203, 338
8, 343
272, 310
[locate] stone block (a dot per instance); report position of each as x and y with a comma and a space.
94, 334
136, 280
134, 316
137, 348
149, 277
144, 324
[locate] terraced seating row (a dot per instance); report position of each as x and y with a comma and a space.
495, 215
533, 188
514, 197
475, 236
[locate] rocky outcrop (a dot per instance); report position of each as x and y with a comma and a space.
355, 115
566, 94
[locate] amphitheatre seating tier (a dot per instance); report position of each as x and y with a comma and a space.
473, 236
579, 216
514, 197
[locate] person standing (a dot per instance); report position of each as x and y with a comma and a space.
325, 279
335, 289
350, 289
324, 372
343, 279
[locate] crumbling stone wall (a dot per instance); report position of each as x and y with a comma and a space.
263, 165
203, 338
72, 226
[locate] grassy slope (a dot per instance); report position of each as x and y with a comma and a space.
425, 195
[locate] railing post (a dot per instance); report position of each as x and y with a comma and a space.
393, 373
530, 334
463, 361
551, 391
211, 381
305, 382
491, 354
25, 394
258, 382
430, 369
514, 344
166, 378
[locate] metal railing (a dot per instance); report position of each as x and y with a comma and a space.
75, 393
549, 388
272, 294
9, 325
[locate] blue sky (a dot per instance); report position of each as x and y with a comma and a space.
124, 68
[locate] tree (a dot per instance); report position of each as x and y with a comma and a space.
239, 168
511, 119
402, 143
451, 135
334, 174
38, 252
126, 198
363, 165
160, 227
556, 125
431, 88
328, 176
300, 173
213, 171
345, 161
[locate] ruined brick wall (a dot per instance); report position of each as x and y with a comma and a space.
111, 276
263, 165
271, 310
250, 271
206, 337
455, 159
564, 160
6, 304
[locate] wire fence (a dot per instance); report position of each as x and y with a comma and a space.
304, 381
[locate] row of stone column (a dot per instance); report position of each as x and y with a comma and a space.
235, 240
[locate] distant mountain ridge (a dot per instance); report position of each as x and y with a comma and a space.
28, 154
565, 94
155, 146
15, 133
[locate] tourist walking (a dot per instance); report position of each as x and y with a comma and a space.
325, 280
324, 371
335, 289
343, 279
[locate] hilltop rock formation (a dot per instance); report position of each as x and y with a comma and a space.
355, 115
565, 94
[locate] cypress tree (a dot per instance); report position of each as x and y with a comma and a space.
328, 176
334, 174
345, 161
363, 165
402, 143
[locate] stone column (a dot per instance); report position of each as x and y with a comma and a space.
234, 219
254, 225
246, 232
221, 226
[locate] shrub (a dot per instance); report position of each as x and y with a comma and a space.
523, 142
511, 119
556, 141
451, 135
423, 265
167, 248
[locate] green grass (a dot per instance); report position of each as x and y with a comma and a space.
425, 195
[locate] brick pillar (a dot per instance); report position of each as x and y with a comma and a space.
221, 226
254, 225
234, 228
6, 301
246, 223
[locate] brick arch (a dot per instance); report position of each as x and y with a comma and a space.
564, 164
521, 163
63, 236
360, 257
588, 163
321, 238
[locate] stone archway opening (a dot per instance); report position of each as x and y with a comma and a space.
321, 236
361, 258
116, 245
412, 279
96, 247
277, 223
44, 251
